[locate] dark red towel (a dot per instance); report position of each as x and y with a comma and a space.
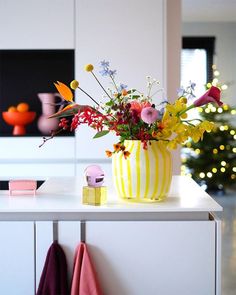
53, 279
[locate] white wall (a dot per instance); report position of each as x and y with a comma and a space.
225, 46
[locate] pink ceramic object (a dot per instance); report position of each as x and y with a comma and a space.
46, 125
22, 186
94, 176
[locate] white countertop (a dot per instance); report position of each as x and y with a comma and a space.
63, 195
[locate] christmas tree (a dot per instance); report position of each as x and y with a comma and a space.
212, 161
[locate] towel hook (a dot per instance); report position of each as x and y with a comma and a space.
55, 231
82, 231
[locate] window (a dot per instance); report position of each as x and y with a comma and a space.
196, 61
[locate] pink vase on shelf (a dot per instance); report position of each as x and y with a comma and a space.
46, 125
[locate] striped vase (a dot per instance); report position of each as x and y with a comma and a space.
145, 176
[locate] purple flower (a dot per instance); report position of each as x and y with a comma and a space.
149, 115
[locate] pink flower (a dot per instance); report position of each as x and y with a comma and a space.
138, 106
212, 95
149, 115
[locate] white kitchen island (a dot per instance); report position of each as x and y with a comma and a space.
167, 248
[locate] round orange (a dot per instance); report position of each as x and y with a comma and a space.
12, 109
22, 107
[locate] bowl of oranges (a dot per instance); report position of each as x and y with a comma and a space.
19, 116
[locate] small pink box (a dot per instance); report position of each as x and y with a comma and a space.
22, 186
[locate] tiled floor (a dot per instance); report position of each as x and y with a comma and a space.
228, 202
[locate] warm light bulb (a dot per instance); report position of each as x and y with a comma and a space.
215, 81
213, 109
234, 150
233, 176
232, 132
215, 151
220, 110
222, 128
223, 163
209, 174
222, 169
202, 175
214, 67
226, 127
197, 151
207, 110
233, 112
235, 136
224, 87
216, 73
208, 85
234, 169
225, 107
214, 170
222, 147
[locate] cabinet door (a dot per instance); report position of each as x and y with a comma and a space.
167, 258
17, 258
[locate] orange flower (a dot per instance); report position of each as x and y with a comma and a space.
117, 147
65, 91
122, 148
109, 154
126, 154
124, 92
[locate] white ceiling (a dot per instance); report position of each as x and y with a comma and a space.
209, 10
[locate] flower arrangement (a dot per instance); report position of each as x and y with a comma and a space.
133, 115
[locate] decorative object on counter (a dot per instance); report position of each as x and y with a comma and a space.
22, 187
48, 101
94, 175
94, 194
146, 124
146, 174
19, 117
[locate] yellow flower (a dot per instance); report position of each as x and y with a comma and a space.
74, 84
208, 126
183, 99
177, 107
89, 68
172, 144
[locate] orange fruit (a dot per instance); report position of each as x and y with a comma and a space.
12, 109
22, 107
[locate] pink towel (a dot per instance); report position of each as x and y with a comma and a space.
84, 281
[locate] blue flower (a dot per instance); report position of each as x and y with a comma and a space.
192, 85
112, 73
104, 64
180, 91
104, 72
122, 87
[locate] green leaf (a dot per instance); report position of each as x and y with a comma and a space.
131, 91
101, 133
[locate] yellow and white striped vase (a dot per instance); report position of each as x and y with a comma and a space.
145, 176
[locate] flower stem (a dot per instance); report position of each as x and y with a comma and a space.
100, 84
187, 109
89, 96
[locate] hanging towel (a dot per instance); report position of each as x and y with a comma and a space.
53, 279
84, 281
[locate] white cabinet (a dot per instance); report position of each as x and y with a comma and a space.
141, 257
162, 257
33, 24
17, 258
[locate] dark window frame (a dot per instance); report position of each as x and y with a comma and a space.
207, 43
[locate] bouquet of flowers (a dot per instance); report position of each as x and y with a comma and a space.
133, 115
